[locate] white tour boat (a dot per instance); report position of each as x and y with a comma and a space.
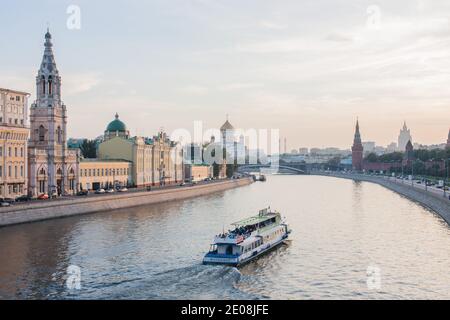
250, 238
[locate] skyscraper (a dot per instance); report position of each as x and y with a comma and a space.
448, 139
53, 168
357, 150
404, 137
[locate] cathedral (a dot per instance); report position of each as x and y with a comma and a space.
52, 167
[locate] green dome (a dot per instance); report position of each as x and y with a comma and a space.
116, 125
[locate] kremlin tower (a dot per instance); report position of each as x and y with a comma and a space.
357, 150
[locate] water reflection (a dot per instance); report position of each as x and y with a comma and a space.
340, 228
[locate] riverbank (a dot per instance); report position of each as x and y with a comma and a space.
24, 213
432, 201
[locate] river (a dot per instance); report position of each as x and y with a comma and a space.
350, 240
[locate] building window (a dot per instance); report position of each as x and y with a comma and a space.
9, 171
41, 133
50, 85
15, 172
1, 151
43, 84
21, 152
15, 152
1, 171
9, 152
21, 171
59, 134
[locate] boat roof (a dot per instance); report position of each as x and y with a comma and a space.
254, 220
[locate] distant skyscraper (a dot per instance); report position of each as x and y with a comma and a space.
357, 150
368, 146
404, 137
448, 139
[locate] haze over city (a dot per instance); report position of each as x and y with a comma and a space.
308, 68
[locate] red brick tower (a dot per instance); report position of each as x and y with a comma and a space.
357, 150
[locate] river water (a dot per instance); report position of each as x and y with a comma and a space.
350, 240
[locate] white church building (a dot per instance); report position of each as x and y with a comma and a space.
52, 167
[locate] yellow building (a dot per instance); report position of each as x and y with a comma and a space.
198, 172
13, 143
95, 174
155, 161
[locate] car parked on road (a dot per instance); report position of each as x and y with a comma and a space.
24, 198
111, 190
43, 196
123, 189
83, 193
100, 191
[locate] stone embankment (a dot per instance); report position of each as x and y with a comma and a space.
49, 209
435, 202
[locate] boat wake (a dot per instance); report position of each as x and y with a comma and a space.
194, 282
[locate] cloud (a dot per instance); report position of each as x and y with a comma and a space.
76, 83
196, 90
266, 24
239, 86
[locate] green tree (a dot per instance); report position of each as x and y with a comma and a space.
372, 157
89, 149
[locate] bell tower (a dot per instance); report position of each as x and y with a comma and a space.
48, 120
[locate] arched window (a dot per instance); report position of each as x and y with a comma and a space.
43, 84
59, 134
41, 133
50, 85
59, 171
42, 172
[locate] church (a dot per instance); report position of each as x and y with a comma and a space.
52, 167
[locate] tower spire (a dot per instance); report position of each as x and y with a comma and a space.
357, 137
48, 81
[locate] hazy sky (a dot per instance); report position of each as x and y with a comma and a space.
306, 67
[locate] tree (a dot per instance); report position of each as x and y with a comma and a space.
89, 149
372, 157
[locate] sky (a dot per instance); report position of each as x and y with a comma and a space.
308, 68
